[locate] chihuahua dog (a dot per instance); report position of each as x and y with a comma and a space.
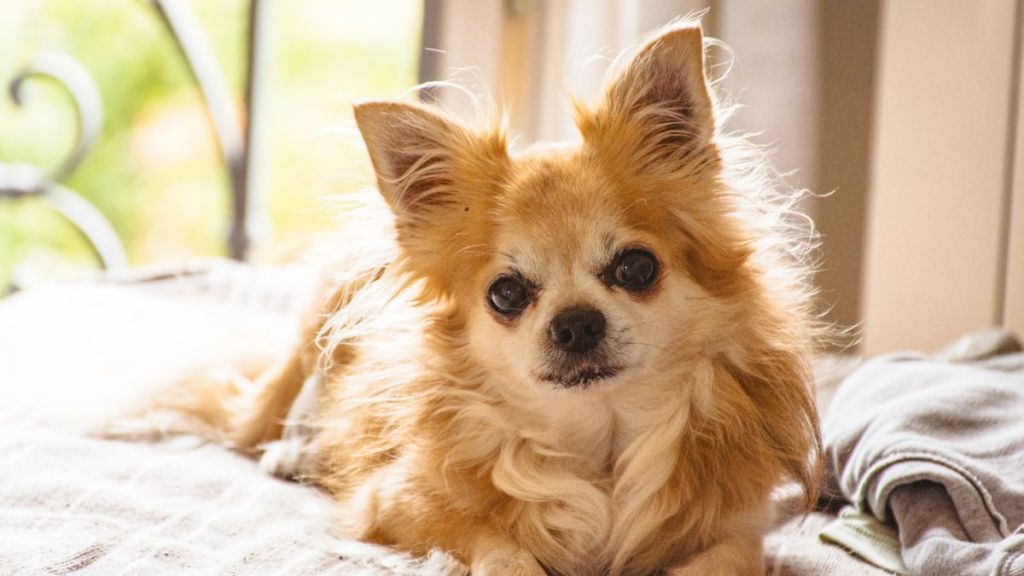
583, 359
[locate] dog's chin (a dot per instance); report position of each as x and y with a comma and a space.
580, 378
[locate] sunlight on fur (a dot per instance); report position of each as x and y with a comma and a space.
589, 358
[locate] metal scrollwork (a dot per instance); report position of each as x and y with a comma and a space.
237, 131
21, 180
239, 141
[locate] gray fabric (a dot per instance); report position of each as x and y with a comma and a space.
937, 447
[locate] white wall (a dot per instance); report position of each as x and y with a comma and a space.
936, 212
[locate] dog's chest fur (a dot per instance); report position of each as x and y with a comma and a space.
582, 466
599, 425
604, 453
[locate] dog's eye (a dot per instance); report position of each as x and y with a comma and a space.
508, 295
635, 270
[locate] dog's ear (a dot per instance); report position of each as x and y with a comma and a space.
657, 109
412, 149
436, 175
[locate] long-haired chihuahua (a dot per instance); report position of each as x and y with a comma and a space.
588, 359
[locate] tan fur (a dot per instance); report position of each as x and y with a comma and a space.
433, 432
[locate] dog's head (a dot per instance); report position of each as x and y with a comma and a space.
618, 262
573, 265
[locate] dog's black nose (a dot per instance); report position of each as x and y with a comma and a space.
577, 329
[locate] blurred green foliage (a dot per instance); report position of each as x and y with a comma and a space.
155, 170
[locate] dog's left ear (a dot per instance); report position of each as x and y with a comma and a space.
659, 105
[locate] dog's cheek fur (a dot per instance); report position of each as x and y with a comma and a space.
499, 347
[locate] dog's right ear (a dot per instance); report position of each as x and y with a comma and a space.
436, 175
413, 153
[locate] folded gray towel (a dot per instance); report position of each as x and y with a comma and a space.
937, 447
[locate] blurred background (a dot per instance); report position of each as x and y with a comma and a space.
155, 171
902, 117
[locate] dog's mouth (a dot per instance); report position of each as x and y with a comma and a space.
581, 377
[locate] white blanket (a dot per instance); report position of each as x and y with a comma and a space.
71, 503
77, 505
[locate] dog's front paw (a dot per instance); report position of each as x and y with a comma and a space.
504, 563
291, 458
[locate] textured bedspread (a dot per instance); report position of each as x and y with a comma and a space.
76, 505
